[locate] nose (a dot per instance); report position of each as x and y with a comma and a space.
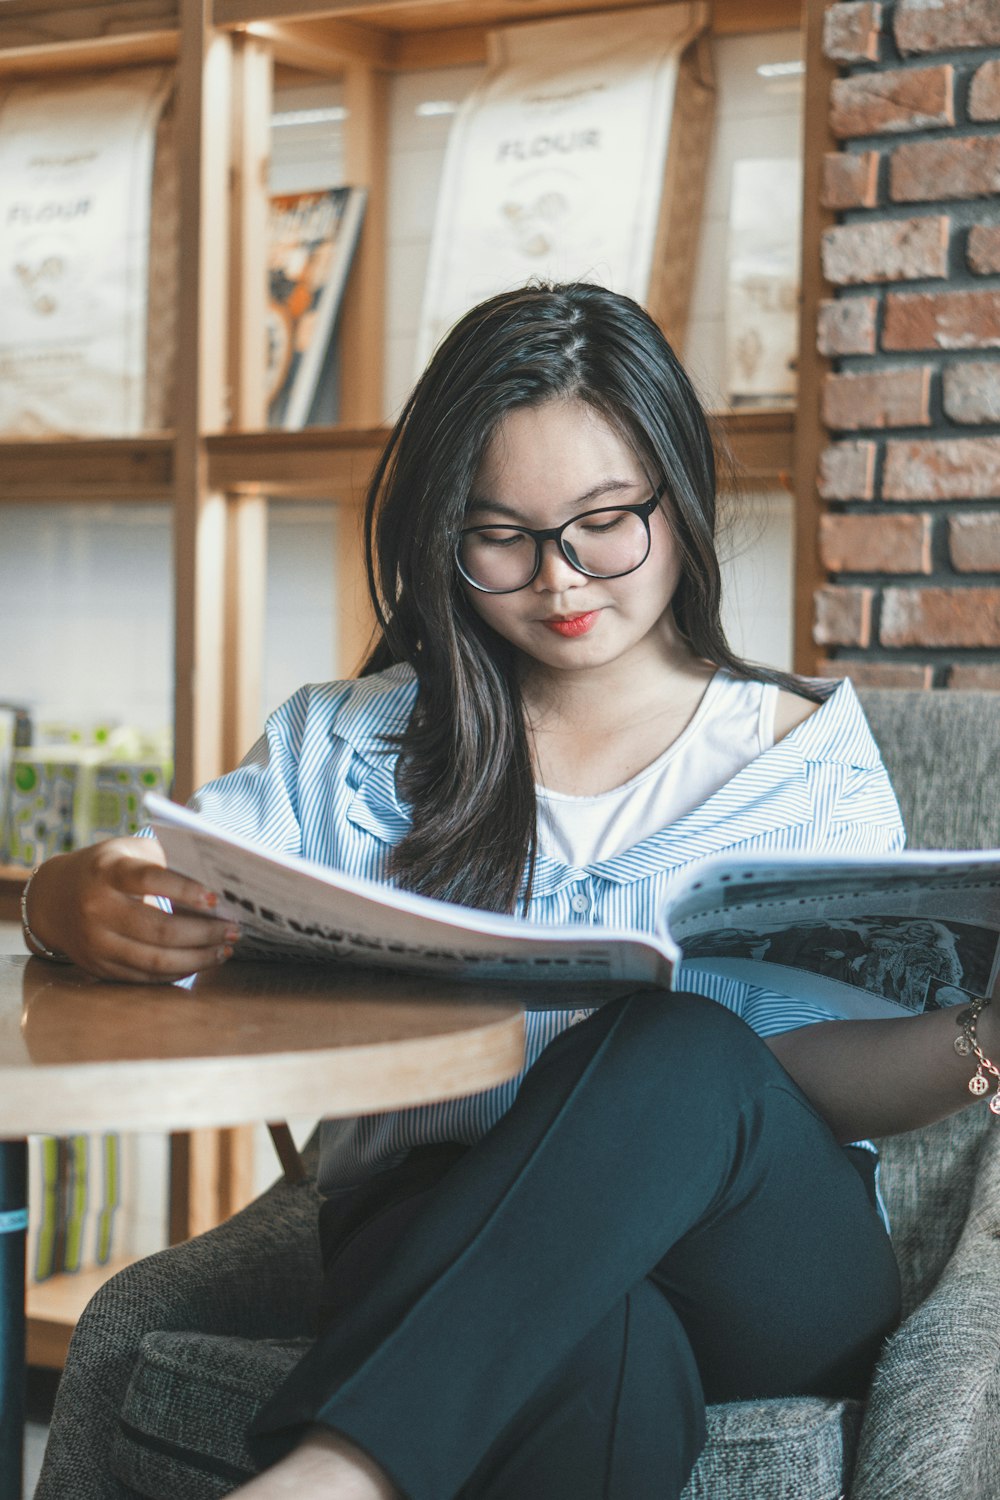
554, 573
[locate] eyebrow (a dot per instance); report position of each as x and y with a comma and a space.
606, 487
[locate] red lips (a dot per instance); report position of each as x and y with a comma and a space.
573, 625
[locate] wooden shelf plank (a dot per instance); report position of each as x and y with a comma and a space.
427, 31
92, 52
761, 440
54, 1307
86, 469
52, 35
323, 463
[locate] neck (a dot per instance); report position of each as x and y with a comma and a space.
657, 671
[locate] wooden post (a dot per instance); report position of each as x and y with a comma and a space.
362, 322
210, 1170
362, 336
203, 96
246, 515
809, 431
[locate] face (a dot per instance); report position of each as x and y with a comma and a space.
544, 465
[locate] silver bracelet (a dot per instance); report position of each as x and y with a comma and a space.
35, 946
967, 1045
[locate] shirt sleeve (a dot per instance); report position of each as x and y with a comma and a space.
260, 799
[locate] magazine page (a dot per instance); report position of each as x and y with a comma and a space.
290, 908
885, 935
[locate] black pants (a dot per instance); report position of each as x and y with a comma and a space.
661, 1220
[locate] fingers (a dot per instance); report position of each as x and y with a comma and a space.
154, 928
136, 877
140, 963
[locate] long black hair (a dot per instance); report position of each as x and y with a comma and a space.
464, 760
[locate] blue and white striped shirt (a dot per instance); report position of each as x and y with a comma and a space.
321, 783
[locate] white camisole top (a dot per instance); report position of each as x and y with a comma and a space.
732, 725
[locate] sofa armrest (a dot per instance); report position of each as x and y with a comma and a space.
931, 1428
256, 1276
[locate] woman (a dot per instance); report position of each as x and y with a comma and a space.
534, 1293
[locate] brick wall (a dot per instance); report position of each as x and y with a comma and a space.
910, 480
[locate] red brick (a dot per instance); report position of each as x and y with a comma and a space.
897, 99
850, 179
940, 617
886, 250
938, 25
972, 391
983, 252
847, 472
875, 544
949, 469
880, 674
878, 398
942, 320
974, 543
843, 617
975, 677
851, 32
984, 93
927, 171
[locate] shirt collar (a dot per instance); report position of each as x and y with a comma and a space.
774, 791
771, 793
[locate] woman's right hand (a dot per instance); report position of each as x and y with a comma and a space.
94, 906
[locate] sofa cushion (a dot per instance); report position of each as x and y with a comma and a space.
192, 1397
801, 1448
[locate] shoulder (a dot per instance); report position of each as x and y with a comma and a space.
834, 730
790, 711
360, 710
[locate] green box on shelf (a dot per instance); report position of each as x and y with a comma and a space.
63, 797
15, 730
43, 791
116, 798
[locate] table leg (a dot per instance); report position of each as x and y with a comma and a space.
13, 1239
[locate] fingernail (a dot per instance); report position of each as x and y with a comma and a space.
232, 934
209, 898
225, 953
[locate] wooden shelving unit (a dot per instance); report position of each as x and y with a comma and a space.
217, 468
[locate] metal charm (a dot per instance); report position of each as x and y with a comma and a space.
963, 1046
978, 1085
995, 1104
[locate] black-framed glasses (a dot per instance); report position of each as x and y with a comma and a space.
605, 543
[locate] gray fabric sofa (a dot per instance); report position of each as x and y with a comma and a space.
174, 1355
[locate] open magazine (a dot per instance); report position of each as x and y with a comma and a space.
878, 936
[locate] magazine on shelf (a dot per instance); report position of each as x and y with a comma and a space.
878, 936
311, 243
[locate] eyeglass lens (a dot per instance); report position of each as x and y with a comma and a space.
604, 544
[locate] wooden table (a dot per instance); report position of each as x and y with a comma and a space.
251, 1042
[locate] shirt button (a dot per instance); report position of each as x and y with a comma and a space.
580, 902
